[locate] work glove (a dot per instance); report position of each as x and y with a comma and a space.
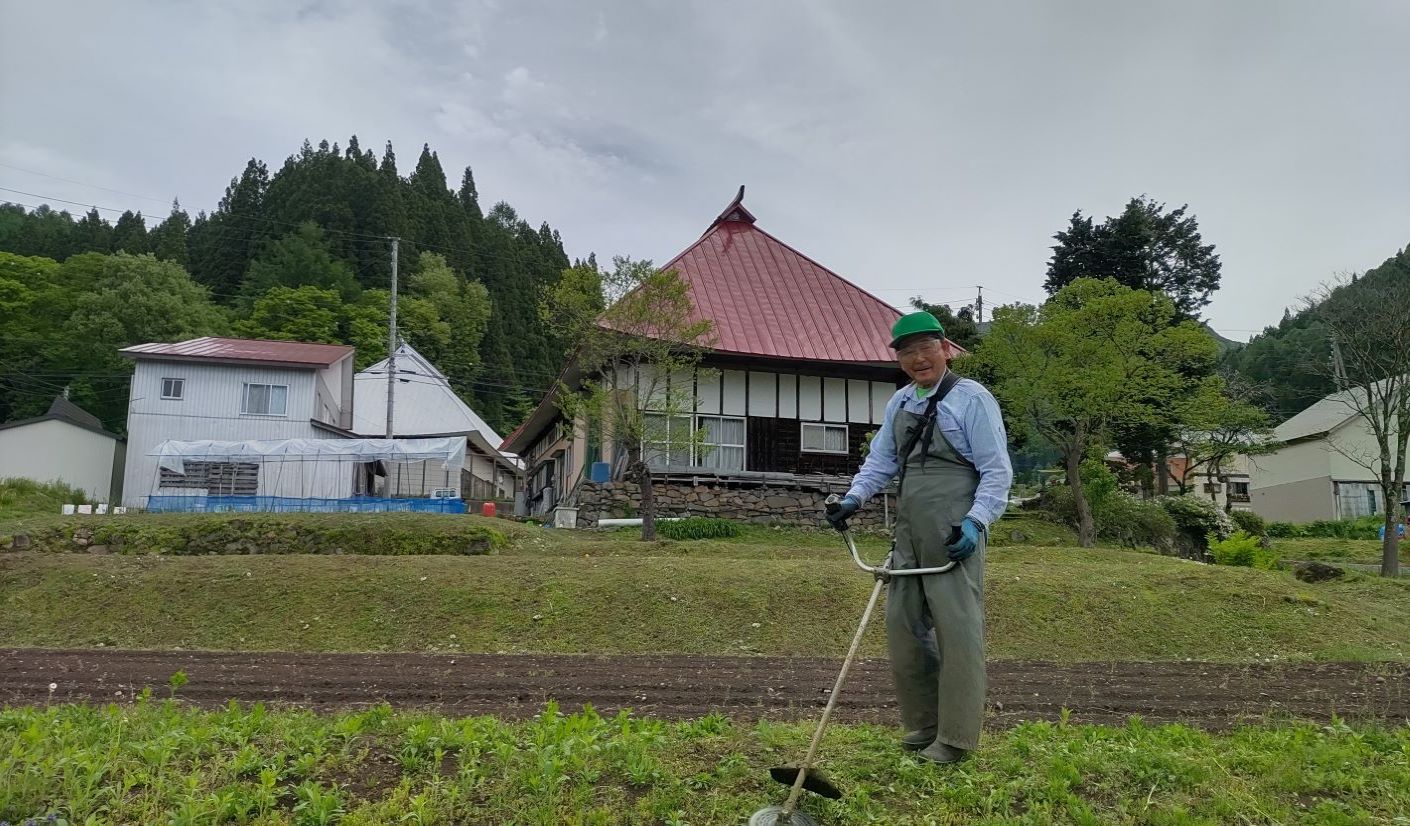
837, 517
964, 547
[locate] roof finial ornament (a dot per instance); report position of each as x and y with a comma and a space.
735, 212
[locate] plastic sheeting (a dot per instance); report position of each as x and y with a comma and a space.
286, 504
172, 454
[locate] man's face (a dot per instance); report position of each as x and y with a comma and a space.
923, 360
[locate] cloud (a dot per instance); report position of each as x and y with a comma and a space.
917, 148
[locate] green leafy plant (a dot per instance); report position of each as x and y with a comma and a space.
1365, 527
317, 806
1196, 518
1241, 550
176, 681
1249, 522
1119, 517
699, 528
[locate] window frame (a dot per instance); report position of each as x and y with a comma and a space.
824, 426
666, 447
179, 384
245, 400
743, 445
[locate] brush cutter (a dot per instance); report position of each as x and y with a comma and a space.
804, 776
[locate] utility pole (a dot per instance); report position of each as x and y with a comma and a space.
979, 306
1338, 366
392, 342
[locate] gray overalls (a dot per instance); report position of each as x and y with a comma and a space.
935, 623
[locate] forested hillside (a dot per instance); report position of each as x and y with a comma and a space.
302, 253
1287, 362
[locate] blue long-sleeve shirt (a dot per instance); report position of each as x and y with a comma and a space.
970, 419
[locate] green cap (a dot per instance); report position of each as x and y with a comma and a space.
912, 323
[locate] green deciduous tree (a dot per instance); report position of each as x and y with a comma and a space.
30, 302
300, 259
125, 300
1219, 423
632, 335
1095, 357
304, 313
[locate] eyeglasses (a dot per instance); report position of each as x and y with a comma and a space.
920, 348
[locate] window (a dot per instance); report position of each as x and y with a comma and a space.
824, 438
173, 388
265, 400
669, 440
1238, 491
723, 445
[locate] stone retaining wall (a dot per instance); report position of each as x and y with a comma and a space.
765, 505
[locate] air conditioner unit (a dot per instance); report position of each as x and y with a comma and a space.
445, 493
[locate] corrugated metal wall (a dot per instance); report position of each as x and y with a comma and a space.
210, 409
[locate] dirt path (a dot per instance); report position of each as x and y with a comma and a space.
1209, 695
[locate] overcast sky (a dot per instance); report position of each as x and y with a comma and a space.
917, 148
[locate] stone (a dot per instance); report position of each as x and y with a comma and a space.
80, 541
20, 541
98, 549
1018, 536
1317, 572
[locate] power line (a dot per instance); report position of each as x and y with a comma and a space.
81, 183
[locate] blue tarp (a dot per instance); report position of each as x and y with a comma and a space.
288, 504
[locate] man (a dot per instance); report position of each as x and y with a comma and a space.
945, 438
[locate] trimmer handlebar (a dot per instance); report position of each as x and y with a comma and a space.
832, 504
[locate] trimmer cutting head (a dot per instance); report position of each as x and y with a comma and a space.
773, 816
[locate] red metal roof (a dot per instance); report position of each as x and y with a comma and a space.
243, 349
768, 299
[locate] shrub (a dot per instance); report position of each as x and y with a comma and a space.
1197, 516
1249, 522
1241, 550
1365, 527
698, 528
1118, 516
1132, 521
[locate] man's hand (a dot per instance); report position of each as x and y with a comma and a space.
837, 517
964, 547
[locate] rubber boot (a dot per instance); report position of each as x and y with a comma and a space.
917, 740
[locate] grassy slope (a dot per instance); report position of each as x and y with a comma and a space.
20, 498
158, 762
607, 593
1358, 551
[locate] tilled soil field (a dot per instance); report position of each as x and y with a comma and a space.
1212, 696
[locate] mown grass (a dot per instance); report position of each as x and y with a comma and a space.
1057, 604
1333, 551
160, 762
